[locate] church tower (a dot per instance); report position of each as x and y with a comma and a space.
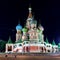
18, 33
30, 18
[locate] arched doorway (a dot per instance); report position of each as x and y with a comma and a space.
9, 48
27, 49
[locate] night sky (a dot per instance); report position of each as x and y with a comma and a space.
45, 12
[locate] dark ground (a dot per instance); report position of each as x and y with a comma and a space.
29, 57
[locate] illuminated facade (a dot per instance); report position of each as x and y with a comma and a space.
30, 38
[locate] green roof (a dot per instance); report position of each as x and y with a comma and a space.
47, 40
33, 22
9, 41
59, 45
53, 43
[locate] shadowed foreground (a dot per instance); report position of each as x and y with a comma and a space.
30, 57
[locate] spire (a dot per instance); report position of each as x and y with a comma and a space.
39, 23
19, 22
47, 40
18, 27
9, 41
30, 12
53, 43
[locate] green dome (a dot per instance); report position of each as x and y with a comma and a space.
24, 29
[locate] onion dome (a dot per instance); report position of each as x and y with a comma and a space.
18, 27
24, 29
41, 28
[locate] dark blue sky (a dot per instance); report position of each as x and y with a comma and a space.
46, 11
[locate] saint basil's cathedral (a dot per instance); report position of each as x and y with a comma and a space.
30, 39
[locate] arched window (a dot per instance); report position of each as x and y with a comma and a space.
20, 44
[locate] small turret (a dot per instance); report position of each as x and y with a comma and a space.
47, 41
53, 43
9, 41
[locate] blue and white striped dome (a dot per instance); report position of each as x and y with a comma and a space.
18, 27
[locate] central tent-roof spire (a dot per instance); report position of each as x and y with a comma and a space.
30, 12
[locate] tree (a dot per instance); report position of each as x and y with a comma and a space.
2, 45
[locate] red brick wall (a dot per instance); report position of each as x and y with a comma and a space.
33, 48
